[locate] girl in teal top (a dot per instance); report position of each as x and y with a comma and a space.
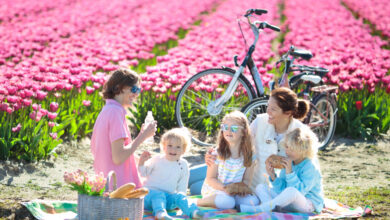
298, 188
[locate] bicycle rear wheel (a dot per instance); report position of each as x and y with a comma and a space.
322, 119
197, 94
255, 107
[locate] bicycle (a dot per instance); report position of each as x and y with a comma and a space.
200, 106
308, 84
208, 95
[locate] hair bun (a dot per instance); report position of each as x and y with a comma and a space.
302, 109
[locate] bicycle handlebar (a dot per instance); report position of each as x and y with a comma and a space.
256, 11
264, 24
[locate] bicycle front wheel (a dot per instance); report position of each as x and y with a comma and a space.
198, 92
255, 107
322, 119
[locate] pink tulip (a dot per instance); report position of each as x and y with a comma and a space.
51, 124
28, 93
10, 110
41, 95
53, 135
36, 107
3, 91
49, 87
86, 103
53, 106
12, 99
51, 115
42, 112
96, 85
89, 90
68, 87
17, 106
11, 90
17, 128
33, 115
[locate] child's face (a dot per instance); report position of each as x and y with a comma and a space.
232, 131
128, 97
293, 155
173, 149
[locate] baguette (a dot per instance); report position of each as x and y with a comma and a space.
122, 191
138, 193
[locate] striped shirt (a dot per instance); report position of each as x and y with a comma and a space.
230, 171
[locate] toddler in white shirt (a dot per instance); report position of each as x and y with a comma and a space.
167, 176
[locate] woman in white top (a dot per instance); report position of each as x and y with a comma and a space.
283, 113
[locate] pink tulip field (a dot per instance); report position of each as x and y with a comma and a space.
358, 64
374, 11
56, 55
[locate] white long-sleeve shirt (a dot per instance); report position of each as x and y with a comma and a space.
165, 175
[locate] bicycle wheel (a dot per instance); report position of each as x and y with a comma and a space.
255, 107
322, 118
199, 93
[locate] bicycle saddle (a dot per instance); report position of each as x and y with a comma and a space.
304, 54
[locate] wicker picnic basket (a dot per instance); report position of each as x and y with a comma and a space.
99, 207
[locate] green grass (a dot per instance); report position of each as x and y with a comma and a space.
377, 198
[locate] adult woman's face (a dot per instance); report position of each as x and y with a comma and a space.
275, 113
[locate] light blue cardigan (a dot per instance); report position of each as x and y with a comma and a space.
305, 177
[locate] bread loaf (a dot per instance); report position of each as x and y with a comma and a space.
138, 193
275, 161
240, 189
121, 192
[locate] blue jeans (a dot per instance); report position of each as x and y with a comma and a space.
160, 201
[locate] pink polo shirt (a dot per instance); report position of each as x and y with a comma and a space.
110, 126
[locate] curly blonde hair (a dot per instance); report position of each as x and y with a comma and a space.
303, 141
180, 134
246, 149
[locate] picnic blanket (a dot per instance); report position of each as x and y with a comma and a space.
61, 210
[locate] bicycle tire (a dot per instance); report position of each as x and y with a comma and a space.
197, 93
255, 107
325, 132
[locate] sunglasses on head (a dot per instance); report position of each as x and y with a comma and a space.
135, 89
233, 128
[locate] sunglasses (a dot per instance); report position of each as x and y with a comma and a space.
233, 128
135, 90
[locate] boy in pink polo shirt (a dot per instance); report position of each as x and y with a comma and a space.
111, 144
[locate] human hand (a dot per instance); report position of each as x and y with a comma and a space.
287, 163
149, 130
270, 170
210, 156
144, 157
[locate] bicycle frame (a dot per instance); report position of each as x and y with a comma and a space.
215, 107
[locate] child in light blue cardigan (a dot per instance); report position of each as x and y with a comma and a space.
298, 188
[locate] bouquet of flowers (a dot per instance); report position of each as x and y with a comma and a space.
85, 184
